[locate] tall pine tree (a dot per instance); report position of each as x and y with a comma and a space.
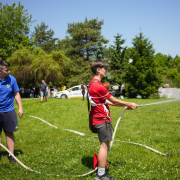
141, 75
84, 37
44, 37
118, 59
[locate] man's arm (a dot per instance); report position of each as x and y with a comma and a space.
18, 100
115, 102
46, 88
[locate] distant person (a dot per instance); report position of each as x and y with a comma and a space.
58, 89
63, 88
115, 89
32, 92
44, 91
34, 88
22, 90
28, 90
83, 88
9, 91
51, 90
36, 93
123, 90
87, 87
100, 98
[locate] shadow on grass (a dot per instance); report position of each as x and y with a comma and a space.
87, 161
16, 152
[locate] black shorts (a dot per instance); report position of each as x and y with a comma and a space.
8, 121
104, 132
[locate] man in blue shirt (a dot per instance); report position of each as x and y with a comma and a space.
43, 90
8, 118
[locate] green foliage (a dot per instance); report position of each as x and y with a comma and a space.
14, 28
176, 81
166, 66
84, 37
100, 52
44, 38
161, 60
177, 63
141, 75
30, 67
118, 59
79, 71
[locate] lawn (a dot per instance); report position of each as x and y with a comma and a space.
56, 151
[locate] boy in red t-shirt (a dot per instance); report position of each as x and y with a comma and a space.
100, 98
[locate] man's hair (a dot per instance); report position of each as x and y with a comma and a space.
3, 63
98, 64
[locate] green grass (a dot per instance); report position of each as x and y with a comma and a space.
59, 152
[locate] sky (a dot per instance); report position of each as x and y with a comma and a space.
158, 20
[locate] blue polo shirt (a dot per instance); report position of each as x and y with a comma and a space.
7, 88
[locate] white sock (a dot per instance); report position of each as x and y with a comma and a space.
101, 171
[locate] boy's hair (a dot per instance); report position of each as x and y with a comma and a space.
98, 64
3, 63
106, 85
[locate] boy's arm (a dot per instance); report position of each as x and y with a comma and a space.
115, 102
18, 100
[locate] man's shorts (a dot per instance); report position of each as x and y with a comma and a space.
8, 121
43, 93
52, 93
104, 132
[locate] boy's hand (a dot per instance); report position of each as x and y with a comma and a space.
132, 106
20, 112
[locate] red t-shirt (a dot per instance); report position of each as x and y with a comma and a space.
99, 94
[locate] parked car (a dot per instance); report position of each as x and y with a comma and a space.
72, 92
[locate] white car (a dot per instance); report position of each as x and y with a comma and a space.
72, 92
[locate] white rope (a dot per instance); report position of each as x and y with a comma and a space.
160, 102
167, 154
76, 132
44, 121
115, 129
17, 159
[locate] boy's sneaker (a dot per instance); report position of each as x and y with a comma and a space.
11, 159
105, 176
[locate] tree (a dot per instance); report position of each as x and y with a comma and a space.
177, 63
84, 37
141, 74
14, 28
44, 38
118, 59
30, 67
100, 54
79, 71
